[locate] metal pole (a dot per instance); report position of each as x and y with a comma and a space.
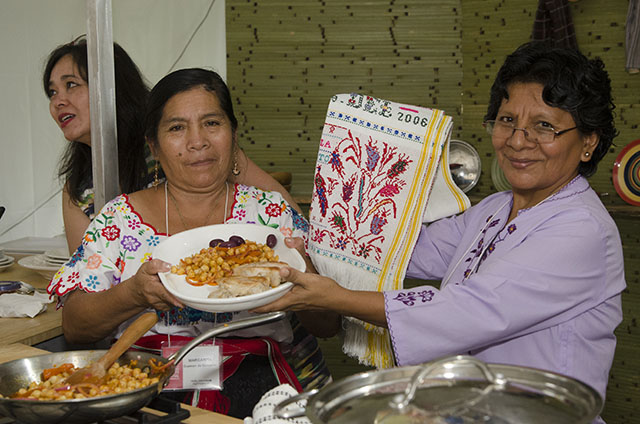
102, 92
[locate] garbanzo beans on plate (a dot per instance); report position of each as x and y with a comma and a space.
219, 261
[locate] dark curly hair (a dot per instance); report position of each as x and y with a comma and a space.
571, 82
131, 96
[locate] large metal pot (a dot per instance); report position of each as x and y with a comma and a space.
454, 390
19, 373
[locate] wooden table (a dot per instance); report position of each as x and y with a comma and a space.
29, 331
198, 416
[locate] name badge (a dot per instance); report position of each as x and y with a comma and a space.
199, 369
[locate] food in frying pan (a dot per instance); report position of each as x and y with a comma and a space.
119, 379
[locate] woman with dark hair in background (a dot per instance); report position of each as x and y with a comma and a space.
66, 85
532, 276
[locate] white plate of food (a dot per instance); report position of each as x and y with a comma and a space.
203, 295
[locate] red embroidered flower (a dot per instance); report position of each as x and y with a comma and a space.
73, 277
273, 210
120, 265
111, 232
317, 236
389, 190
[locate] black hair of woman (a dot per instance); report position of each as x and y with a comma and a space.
571, 82
131, 94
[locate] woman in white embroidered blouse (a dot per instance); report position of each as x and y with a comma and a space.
111, 279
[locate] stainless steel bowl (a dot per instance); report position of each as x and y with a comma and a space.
464, 164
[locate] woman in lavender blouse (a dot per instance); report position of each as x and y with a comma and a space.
532, 276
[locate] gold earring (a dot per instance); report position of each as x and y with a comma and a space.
235, 171
156, 181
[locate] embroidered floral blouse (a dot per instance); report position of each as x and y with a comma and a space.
118, 242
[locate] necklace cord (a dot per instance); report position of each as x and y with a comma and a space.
168, 194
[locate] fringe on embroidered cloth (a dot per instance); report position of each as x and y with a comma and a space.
378, 164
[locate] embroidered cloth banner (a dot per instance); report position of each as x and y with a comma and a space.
377, 164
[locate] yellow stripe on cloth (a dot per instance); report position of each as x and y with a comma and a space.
379, 350
418, 188
411, 235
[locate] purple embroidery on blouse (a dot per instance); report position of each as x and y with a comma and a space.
130, 243
484, 253
499, 237
410, 298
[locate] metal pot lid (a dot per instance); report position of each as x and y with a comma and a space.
455, 390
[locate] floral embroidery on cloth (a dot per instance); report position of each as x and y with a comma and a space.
376, 167
410, 298
373, 191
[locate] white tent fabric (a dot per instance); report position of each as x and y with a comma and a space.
154, 33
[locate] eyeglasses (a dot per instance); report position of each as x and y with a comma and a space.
538, 133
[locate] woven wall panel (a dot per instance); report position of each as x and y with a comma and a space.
286, 59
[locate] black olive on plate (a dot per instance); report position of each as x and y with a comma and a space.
237, 239
272, 240
215, 242
227, 244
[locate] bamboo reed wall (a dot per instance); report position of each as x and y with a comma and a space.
287, 58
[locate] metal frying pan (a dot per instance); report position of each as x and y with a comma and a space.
19, 373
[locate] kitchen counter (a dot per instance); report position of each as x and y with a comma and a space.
198, 416
29, 331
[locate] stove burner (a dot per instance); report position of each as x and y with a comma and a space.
174, 413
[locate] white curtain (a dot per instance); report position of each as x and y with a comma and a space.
154, 33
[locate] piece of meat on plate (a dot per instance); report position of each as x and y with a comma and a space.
268, 270
239, 285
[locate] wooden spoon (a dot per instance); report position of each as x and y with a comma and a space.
95, 371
